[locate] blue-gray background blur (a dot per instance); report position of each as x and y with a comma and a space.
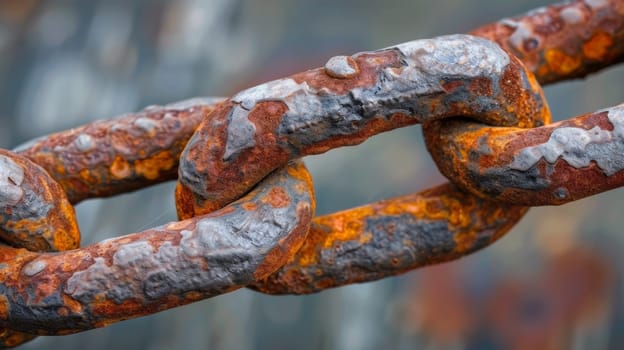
553, 282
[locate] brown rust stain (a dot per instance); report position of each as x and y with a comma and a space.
482, 86
598, 46
4, 307
120, 168
47, 282
561, 63
554, 53
151, 167
278, 198
104, 163
10, 339
312, 269
564, 33
494, 149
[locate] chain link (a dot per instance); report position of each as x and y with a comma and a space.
500, 155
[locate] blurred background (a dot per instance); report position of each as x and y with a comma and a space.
553, 282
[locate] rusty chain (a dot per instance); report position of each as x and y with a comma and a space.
246, 203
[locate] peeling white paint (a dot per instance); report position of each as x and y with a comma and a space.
579, 147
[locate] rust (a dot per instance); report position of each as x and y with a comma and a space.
414, 82
549, 165
161, 268
391, 237
119, 155
484, 118
563, 41
36, 215
34, 211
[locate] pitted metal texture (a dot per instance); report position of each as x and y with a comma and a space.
486, 124
311, 112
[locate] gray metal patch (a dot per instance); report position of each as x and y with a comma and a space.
579, 147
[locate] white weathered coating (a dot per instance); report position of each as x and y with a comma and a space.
34, 267
579, 147
84, 143
241, 131
461, 55
146, 124
341, 67
271, 91
425, 63
572, 15
131, 253
11, 179
523, 32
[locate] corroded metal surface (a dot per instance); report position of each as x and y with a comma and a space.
589, 32
10, 338
261, 128
259, 240
34, 211
36, 215
549, 165
391, 237
563, 41
114, 156
160, 268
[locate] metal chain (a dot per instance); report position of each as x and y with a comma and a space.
247, 205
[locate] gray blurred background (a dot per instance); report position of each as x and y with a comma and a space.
553, 282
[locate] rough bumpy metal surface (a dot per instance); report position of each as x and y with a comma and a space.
160, 268
391, 237
312, 112
394, 236
35, 214
258, 240
34, 211
114, 156
563, 41
534, 166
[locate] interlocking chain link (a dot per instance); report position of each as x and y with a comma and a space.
247, 205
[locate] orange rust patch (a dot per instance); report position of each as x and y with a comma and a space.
193, 296
326, 231
67, 235
300, 172
150, 168
71, 305
249, 206
184, 202
120, 168
178, 225
597, 47
4, 307
85, 175
13, 338
278, 198
561, 63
